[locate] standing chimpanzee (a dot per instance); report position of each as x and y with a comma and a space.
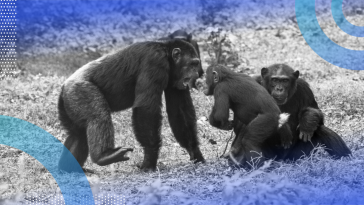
133, 77
183, 35
294, 96
252, 106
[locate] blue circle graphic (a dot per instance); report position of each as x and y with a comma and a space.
345, 25
320, 43
41, 145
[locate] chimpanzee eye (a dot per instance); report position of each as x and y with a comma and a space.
285, 80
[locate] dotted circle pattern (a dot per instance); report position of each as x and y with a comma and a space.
7, 38
108, 199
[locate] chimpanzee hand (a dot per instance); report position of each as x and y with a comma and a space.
286, 142
305, 136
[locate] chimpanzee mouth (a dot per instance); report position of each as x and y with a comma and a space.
186, 81
280, 101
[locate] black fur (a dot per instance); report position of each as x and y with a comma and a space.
252, 107
305, 116
183, 35
134, 77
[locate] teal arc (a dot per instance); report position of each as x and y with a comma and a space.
41, 145
320, 43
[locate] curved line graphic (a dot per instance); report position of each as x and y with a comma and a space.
41, 145
342, 22
320, 43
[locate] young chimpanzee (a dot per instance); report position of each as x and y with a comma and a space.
136, 78
253, 106
183, 35
294, 96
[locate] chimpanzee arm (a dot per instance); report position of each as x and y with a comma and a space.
310, 120
310, 116
182, 119
219, 116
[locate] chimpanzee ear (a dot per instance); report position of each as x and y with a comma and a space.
296, 74
215, 76
264, 72
189, 37
176, 54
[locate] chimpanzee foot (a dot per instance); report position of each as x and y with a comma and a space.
150, 159
147, 166
196, 156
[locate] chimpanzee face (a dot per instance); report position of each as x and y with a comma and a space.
187, 65
280, 81
212, 78
280, 86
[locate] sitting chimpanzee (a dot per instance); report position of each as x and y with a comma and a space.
253, 106
183, 35
136, 78
294, 96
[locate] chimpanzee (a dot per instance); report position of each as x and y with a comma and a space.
134, 77
294, 96
183, 35
252, 106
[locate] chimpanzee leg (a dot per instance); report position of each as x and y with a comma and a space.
100, 132
147, 126
334, 144
182, 119
253, 137
324, 136
238, 129
89, 110
76, 143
